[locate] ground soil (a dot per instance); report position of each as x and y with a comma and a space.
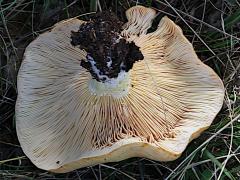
101, 39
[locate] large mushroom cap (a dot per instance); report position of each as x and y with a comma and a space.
62, 124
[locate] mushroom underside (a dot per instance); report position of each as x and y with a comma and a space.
62, 126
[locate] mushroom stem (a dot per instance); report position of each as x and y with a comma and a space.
115, 87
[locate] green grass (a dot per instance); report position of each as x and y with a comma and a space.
212, 27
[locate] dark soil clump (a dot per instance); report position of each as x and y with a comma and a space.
107, 51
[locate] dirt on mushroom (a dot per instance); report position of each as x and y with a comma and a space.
100, 38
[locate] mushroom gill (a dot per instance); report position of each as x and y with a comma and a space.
68, 116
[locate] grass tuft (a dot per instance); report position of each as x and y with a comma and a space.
213, 29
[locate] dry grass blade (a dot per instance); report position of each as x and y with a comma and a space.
231, 141
110, 167
12, 159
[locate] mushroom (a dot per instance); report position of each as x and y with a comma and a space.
66, 119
